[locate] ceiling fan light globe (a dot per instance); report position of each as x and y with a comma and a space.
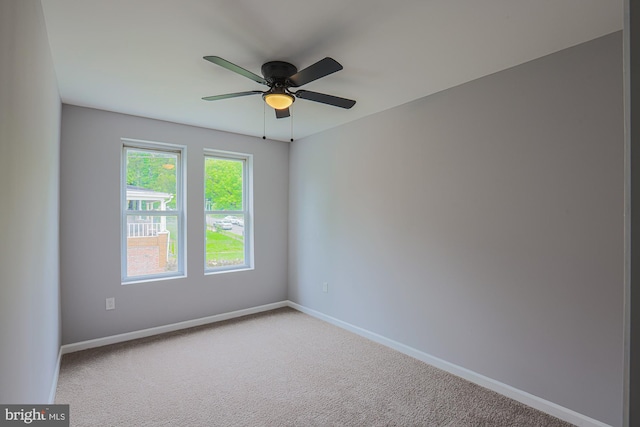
278, 101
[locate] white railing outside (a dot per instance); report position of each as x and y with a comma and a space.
143, 229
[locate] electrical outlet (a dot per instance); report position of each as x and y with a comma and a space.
325, 287
111, 303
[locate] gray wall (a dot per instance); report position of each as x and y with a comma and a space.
482, 225
29, 167
632, 290
90, 228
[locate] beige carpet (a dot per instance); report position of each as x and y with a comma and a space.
280, 368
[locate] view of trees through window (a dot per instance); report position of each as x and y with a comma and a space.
152, 218
152, 170
225, 213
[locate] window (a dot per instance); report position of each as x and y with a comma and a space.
152, 211
227, 205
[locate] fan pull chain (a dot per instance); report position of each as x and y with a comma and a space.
264, 121
291, 126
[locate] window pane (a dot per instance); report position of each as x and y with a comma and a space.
151, 180
224, 240
152, 245
223, 184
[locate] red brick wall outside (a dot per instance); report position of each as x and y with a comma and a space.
147, 255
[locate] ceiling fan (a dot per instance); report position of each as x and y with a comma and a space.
280, 77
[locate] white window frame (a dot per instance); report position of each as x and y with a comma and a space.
247, 212
179, 212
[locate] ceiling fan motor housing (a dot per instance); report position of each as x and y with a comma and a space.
277, 72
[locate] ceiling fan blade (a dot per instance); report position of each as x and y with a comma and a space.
236, 69
281, 114
326, 99
322, 68
230, 95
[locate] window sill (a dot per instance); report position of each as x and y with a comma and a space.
152, 279
227, 270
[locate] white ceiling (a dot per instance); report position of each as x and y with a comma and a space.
144, 57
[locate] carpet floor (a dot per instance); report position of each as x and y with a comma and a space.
278, 368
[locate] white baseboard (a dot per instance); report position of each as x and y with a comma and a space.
113, 339
528, 399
